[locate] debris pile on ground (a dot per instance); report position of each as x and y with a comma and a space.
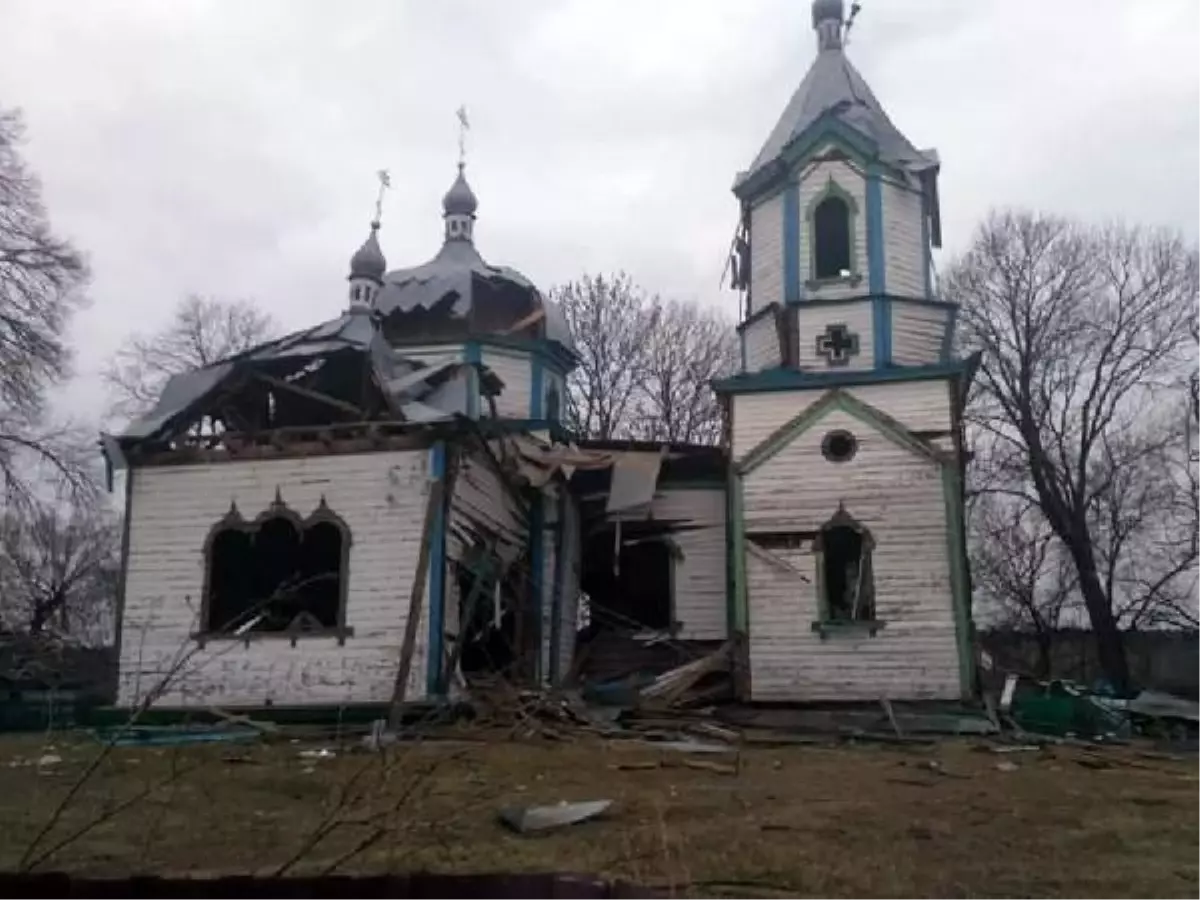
704, 680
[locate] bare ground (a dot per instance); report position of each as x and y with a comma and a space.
794, 821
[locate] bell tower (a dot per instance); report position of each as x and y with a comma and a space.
845, 419
840, 214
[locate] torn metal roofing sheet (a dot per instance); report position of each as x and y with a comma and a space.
450, 279
180, 392
833, 85
416, 391
634, 480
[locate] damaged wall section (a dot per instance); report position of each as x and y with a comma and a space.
653, 560
381, 499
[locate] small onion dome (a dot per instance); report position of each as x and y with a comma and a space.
460, 199
368, 260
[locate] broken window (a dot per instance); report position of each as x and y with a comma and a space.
629, 579
277, 574
831, 224
848, 584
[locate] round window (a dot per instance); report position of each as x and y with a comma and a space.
839, 446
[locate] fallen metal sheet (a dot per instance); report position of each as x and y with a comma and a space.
634, 481
527, 819
691, 746
1160, 705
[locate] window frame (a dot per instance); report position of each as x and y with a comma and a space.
833, 190
825, 624
233, 520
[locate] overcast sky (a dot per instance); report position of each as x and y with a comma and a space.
230, 148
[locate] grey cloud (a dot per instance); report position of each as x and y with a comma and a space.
230, 148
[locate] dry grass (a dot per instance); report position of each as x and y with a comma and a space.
809, 821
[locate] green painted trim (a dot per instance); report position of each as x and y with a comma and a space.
957, 558
837, 399
738, 613
123, 572
863, 627
832, 189
781, 378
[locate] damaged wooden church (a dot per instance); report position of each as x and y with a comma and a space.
390, 505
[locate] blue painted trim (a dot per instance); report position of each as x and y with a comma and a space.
880, 313
536, 564
537, 387
828, 128
791, 243
948, 335
472, 353
876, 269
556, 588
547, 349
881, 318
437, 578
781, 379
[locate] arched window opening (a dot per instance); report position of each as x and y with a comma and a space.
278, 574
847, 576
832, 239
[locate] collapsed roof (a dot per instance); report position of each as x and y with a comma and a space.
341, 371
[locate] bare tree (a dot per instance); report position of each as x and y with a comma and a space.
1023, 578
1085, 332
645, 363
609, 319
202, 331
58, 569
688, 347
41, 282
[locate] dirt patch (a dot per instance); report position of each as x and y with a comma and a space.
786, 821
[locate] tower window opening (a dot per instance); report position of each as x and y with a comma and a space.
849, 581
831, 239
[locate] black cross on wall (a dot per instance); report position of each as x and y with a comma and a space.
837, 344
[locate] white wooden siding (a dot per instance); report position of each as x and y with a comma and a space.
898, 496
766, 252
515, 370
917, 405
762, 344
701, 576
903, 254
380, 496
918, 330
811, 322
482, 508
812, 184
